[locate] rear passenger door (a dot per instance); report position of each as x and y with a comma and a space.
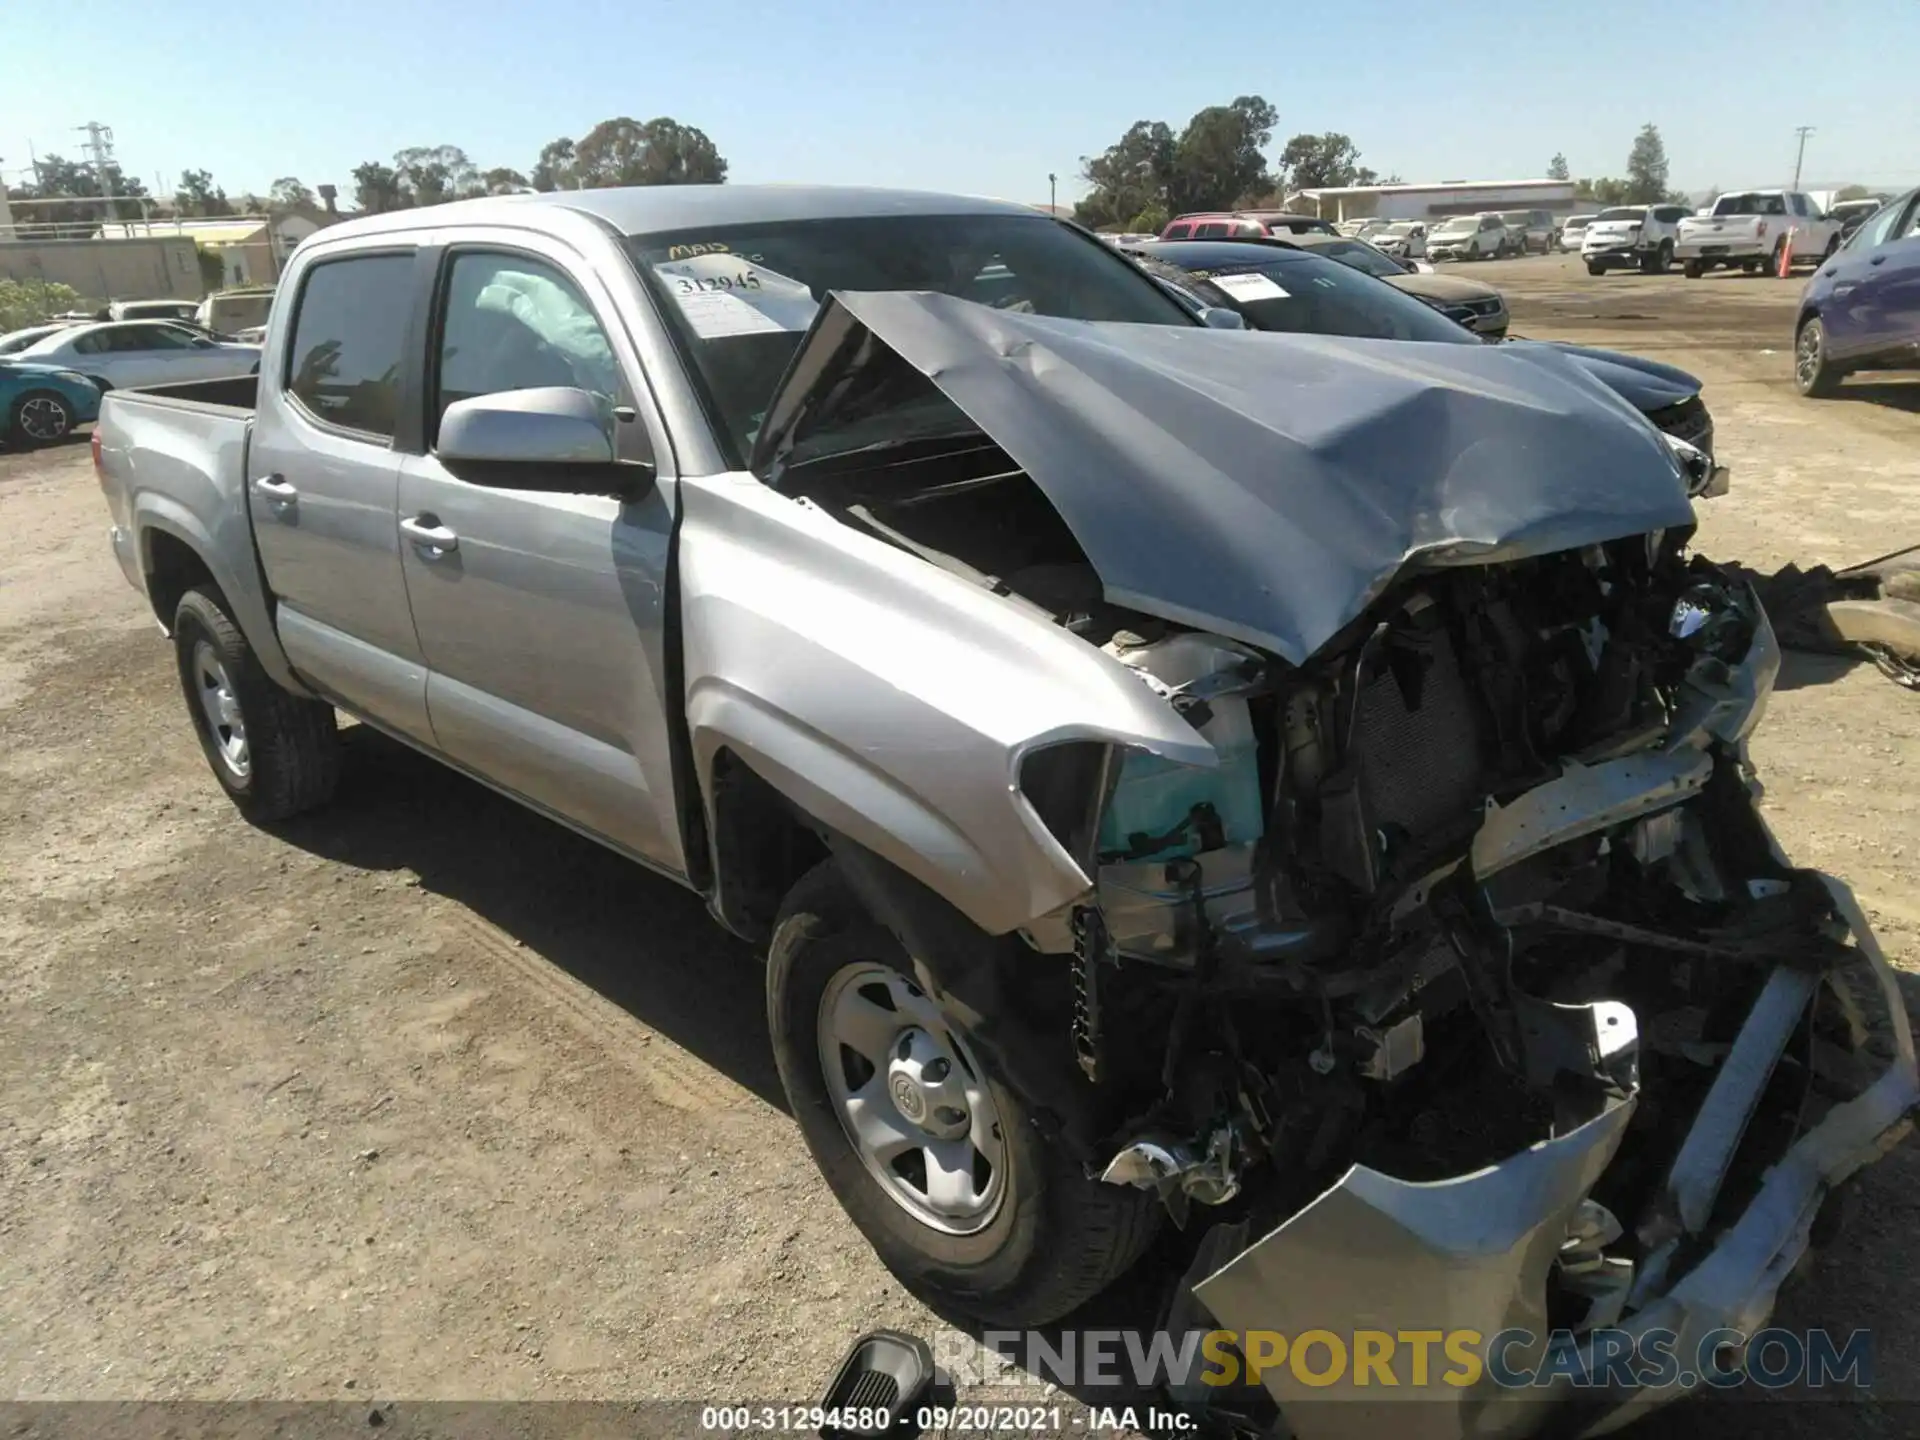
322, 476
541, 614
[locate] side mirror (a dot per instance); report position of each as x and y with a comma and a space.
555, 438
1219, 317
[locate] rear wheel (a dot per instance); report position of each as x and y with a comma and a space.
936, 1160
40, 417
275, 753
1593, 269
1693, 270
1778, 262
1814, 373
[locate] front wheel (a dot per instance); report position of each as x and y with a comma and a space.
40, 417
1693, 270
1593, 269
928, 1150
1814, 373
275, 753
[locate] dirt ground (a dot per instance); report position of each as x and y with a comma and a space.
425, 1098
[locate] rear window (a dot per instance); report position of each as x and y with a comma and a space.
1180, 230
349, 334
1622, 212
1750, 204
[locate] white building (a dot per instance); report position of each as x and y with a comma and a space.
1435, 201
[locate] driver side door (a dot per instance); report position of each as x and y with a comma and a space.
541, 614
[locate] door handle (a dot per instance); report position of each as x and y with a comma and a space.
429, 536
1878, 260
275, 491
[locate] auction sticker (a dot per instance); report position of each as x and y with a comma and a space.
723, 294
1249, 286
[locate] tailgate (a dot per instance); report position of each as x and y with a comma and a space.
1722, 229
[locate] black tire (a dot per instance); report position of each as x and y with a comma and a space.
1750, 267
1693, 270
293, 746
40, 417
1773, 261
1058, 1238
1593, 269
1814, 374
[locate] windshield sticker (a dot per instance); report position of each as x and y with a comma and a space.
1250, 286
722, 294
687, 252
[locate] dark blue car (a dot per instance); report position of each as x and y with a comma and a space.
1861, 310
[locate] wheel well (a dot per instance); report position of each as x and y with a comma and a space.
173, 567
761, 846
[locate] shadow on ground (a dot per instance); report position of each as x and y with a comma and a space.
640, 940
1891, 394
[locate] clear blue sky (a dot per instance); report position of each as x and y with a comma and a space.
975, 95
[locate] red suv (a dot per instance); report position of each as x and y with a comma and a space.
1242, 224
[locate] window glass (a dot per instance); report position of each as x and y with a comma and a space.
516, 323
1303, 294
1912, 227
1799, 204
1878, 229
1212, 230
1179, 232
90, 344
348, 336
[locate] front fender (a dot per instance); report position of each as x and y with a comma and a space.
892, 701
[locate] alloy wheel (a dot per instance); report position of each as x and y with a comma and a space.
220, 707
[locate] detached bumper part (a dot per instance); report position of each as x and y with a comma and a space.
1475, 1252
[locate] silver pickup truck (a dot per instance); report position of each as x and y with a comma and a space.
1294, 781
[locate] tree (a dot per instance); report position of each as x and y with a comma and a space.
1647, 168
29, 302
1318, 162
1557, 168
1602, 191
555, 168
435, 174
623, 151
502, 180
1215, 162
289, 194
68, 181
1128, 177
198, 195
1219, 155
378, 188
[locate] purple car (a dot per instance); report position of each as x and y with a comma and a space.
1861, 310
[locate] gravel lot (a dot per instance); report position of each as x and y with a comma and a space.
425, 1098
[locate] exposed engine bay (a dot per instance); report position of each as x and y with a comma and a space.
1476, 896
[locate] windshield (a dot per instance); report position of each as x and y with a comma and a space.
1750, 205
1578, 222
1400, 227
740, 297
1460, 225
1622, 212
1304, 294
1516, 218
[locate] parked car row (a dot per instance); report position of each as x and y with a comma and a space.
52, 376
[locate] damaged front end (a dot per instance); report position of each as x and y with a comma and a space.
1468, 983
1501, 1010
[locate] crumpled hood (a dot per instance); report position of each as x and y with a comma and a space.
1265, 487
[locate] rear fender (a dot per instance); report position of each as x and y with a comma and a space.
892, 702
229, 561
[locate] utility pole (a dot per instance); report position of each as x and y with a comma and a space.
1053, 199
99, 147
1802, 131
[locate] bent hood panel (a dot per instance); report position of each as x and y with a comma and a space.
1645, 384
1266, 487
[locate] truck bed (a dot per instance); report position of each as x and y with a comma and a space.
172, 462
